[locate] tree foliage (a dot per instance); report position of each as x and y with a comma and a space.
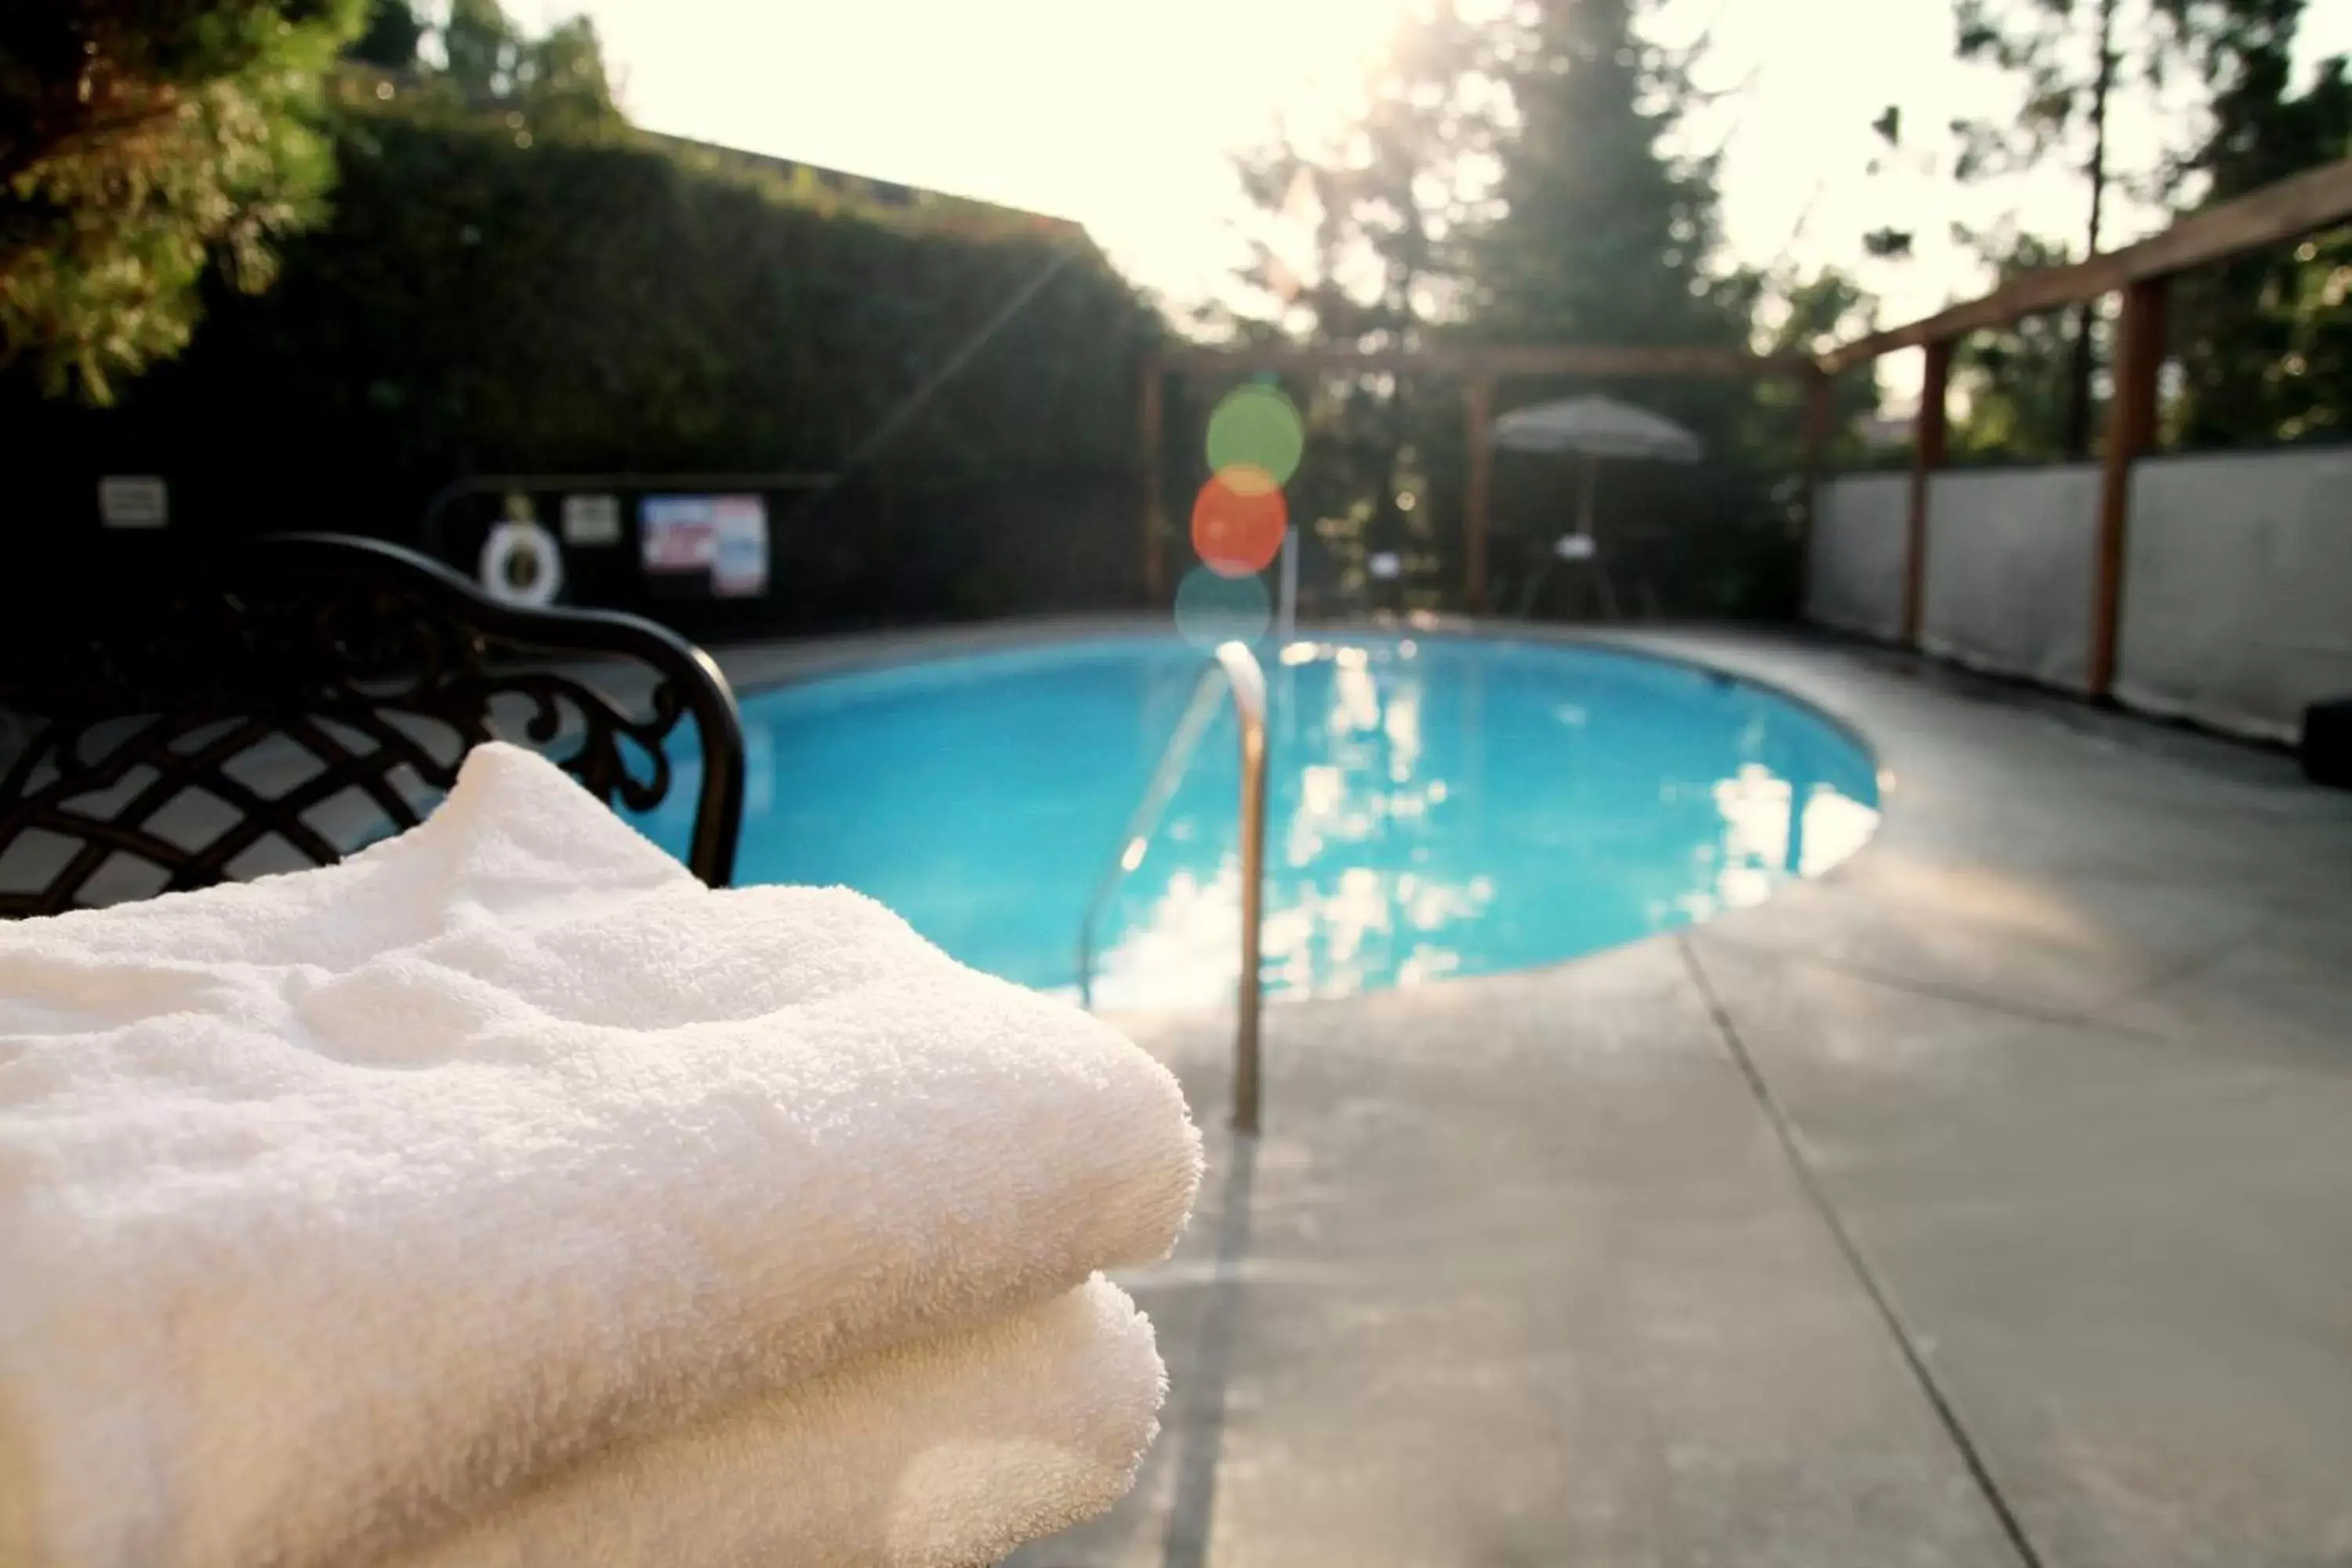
142, 144
2264, 343
2069, 57
1373, 219
555, 84
2073, 56
1799, 313
1361, 245
597, 305
390, 40
2014, 385
1605, 229
1524, 180
1605, 233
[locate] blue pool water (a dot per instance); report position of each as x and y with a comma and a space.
1438, 806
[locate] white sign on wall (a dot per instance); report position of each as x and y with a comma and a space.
592, 520
132, 501
740, 570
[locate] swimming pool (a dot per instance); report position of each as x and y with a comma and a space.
1437, 805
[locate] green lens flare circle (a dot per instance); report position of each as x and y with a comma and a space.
1256, 425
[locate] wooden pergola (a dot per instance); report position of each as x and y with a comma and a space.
2278, 214
2289, 210
1478, 368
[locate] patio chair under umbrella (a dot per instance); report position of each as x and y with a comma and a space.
1595, 429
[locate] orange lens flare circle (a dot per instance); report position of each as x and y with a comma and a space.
1238, 520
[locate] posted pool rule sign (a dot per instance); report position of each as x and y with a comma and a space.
693, 546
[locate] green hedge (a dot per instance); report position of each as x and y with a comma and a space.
477, 306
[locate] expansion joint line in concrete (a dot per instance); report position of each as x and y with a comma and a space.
1945, 1415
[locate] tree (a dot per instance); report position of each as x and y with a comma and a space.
1607, 234
1604, 234
1358, 244
2067, 50
2264, 343
389, 42
2016, 383
565, 89
2076, 57
1518, 181
481, 49
1800, 314
554, 85
1610, 234
142, 142
1371, 217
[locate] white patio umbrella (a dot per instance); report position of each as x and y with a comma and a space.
1594, 428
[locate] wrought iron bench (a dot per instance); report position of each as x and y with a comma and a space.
286, 702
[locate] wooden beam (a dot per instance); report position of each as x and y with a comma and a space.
1928, 452
2288, 210
1489, 360
1149, 428
2045, 288
1478, 404
2131, 431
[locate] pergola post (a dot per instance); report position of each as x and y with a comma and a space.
1928, 451
1478, 402
1147, 416
2131, 430
1821, 416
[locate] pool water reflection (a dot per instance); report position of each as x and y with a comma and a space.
1437, 807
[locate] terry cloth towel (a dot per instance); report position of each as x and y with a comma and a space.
941, 1454
336, 1204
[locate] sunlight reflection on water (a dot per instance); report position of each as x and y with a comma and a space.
1437, 807
1368, 881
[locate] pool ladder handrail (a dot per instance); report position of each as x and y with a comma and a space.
1233, 669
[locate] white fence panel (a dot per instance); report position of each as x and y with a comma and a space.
1855, 580
2010, 559
2237, 606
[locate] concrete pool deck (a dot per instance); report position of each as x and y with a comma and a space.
1988, 1201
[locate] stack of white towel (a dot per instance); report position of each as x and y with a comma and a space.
504, 1196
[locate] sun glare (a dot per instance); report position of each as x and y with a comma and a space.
1124, 116
1121, 116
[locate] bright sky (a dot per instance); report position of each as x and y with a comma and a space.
1121, 114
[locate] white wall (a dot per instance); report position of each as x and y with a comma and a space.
2237, 596
2009, 558
1854, 574
2237, 588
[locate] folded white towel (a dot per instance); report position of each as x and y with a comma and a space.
939, 1454
335, 1204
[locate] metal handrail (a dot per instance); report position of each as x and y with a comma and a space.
1236, 669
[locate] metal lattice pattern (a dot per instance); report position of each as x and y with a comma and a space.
306, 695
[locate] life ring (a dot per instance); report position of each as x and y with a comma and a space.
522, 565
